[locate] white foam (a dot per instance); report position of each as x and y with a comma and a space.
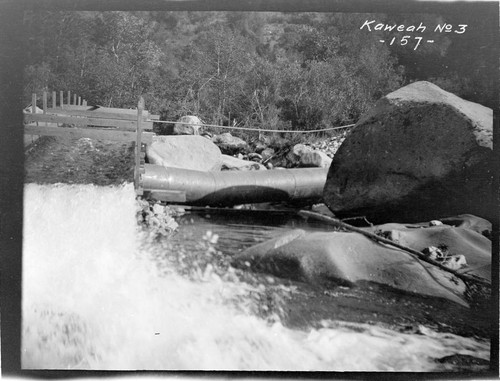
93, 299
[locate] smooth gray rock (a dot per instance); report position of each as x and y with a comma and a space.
325, 258
185, 151
315, 159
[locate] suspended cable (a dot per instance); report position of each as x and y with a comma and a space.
255, 129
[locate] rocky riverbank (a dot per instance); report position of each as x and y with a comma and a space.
323, 262
84, 161
51, 160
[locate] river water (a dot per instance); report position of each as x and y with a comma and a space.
100, 293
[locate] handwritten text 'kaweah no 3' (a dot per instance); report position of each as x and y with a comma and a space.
421, 28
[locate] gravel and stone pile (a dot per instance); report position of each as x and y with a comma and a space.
329, 145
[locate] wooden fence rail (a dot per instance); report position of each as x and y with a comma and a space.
125, 136
79, 120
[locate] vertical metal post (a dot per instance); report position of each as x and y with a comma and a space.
138, 146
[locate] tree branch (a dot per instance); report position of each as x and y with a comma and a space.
374, 237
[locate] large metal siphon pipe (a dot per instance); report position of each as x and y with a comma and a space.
233, 187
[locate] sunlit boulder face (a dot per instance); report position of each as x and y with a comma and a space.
229, 144
184, 151
421, 152
315, 158
188, 125
348, 258
304, 156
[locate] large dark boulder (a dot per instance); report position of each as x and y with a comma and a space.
420, 153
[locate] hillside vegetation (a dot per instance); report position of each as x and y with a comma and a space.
293, 71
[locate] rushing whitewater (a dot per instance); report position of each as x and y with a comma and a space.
96, 297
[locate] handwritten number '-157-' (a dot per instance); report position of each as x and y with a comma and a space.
404, 41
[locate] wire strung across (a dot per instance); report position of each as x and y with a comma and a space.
256, 129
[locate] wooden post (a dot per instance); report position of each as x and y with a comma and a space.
74, 99
45, 105
33, 103
69, 97
61, 99
79, 101
84, 102
44, 102
138, 145
53, 99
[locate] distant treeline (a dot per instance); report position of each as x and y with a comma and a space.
268, 70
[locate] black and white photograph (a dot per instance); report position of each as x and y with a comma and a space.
249, 186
